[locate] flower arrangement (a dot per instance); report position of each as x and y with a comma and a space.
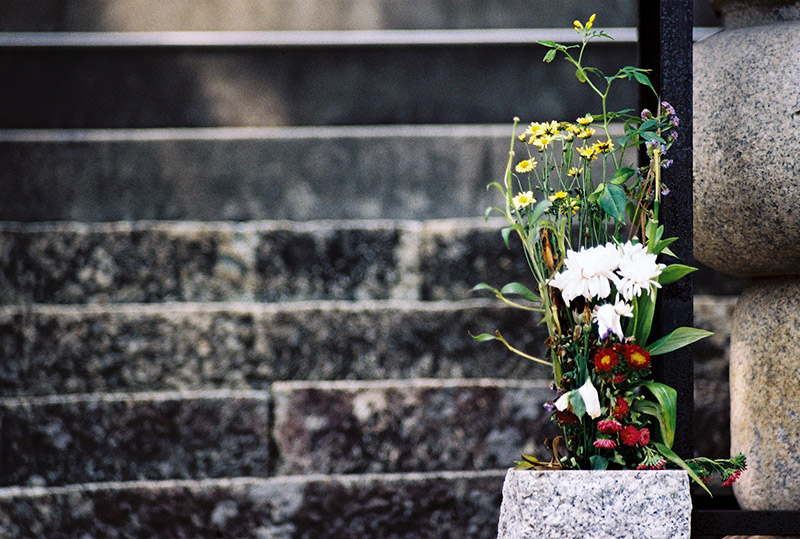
596, 251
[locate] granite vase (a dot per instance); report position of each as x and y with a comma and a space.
593, 503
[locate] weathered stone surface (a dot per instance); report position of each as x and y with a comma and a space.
297, 173
155, 262
711, 355
419, 425
712, 419
765, 401
455, 504
56, 350
118, 437
741, 190
255, 15
146, 84
599, 504
743, 13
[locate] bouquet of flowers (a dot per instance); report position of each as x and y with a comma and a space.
590, 233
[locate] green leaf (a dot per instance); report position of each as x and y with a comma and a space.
539, 210
650, 136
521, 290
483, 337
667, 399
677, 339
580, 75
648, 125
550, 56
506, 232
576, 401
662, 244
622, 175
670, 455
547, 43
598, 462
674, 272
643, 311
595, 195
613, 201
668, 251
483, 286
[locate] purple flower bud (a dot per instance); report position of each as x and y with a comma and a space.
668, 107
673, 134
665, 190
645, 114
667, 163
549, 406
675, 121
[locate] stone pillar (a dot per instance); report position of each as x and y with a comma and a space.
747, 224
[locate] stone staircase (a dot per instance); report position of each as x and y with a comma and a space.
234, 266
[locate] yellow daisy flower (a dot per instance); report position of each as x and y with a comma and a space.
523, 200
526, 165
574, 171
603, 146
574, 205
558, 196
541, 141
588, 153
550, 129
586, 120
586, 132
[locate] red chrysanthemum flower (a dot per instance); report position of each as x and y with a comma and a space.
609, 426
566, 418
637, 357
605, 360
620, 408
605, 443
629, 435
644, 437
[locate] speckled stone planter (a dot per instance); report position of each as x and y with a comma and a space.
598, 504
765, 394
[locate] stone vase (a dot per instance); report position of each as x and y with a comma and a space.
747, 224
598, 504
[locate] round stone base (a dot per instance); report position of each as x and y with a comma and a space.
765, 394
599, 504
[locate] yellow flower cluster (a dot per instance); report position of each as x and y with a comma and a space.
590, 153
569, 204
543, 134
579, 26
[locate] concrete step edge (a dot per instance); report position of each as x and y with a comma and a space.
15, 491
299, 38
135, 396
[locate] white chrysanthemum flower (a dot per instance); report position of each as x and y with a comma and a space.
638, 271
608, 318
589, 273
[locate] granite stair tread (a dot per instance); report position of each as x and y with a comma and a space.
438, 504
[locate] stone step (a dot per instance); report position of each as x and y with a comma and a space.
173, 79
58, 440
428, 425
366, 172
151, 15
243, 15
386, 426
430, 505
271, 261
52, 350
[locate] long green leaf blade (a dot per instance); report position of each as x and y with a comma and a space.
670, 455
674, 272
667, 399
677, 339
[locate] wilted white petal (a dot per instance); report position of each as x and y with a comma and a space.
590, 399
563, 402
608, 321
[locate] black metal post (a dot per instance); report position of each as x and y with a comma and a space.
665, 47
